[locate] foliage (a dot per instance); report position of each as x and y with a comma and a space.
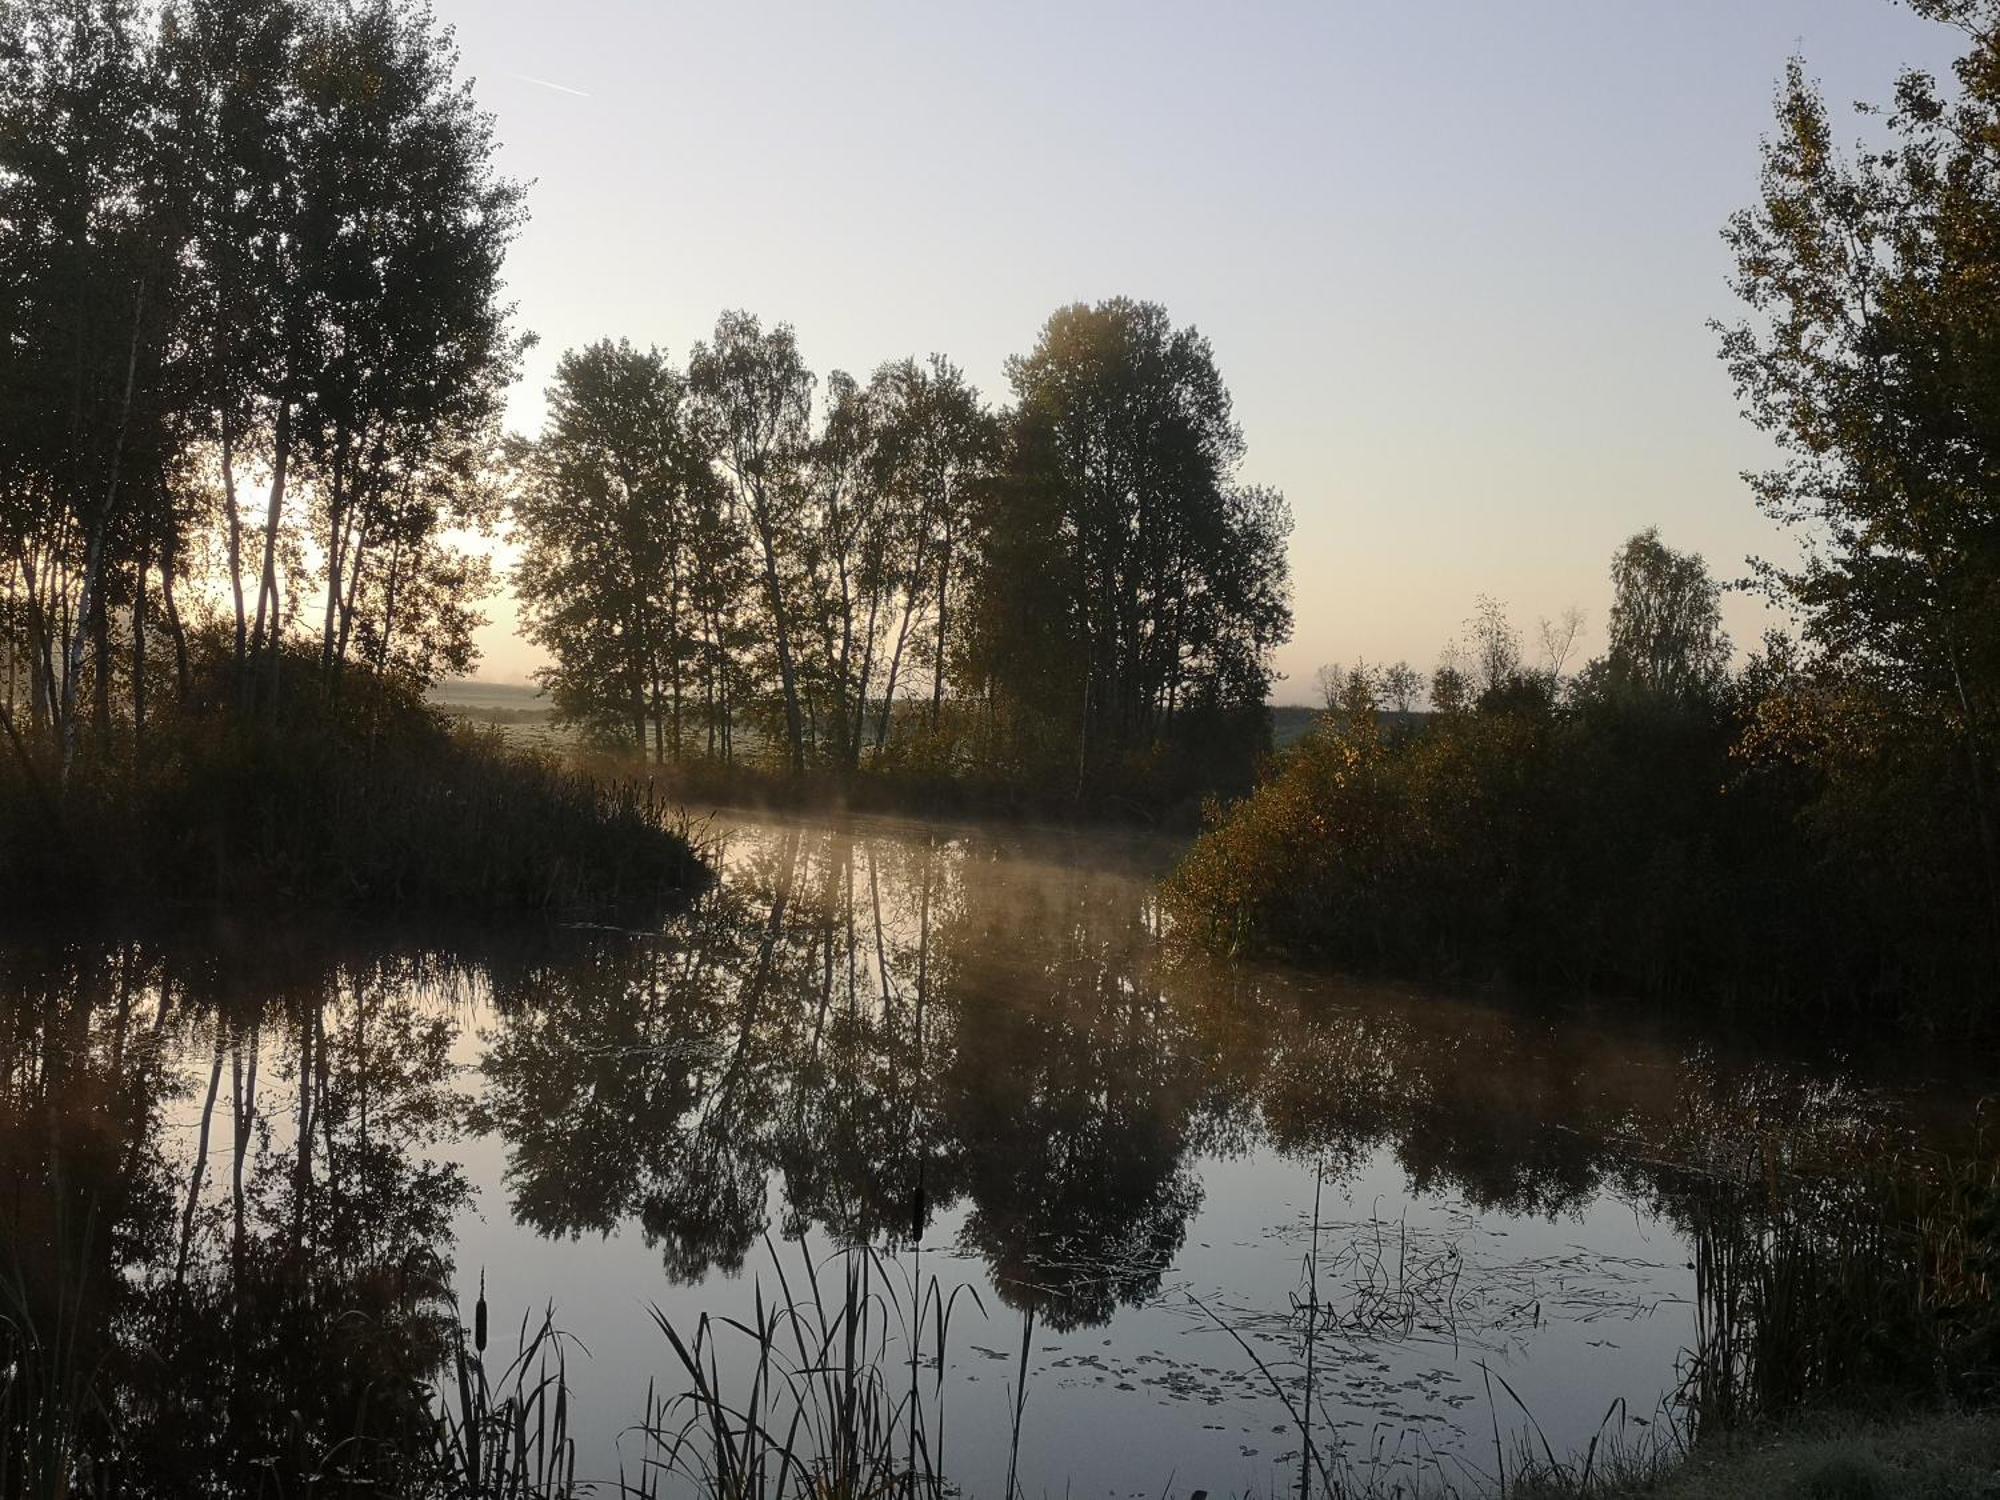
239, 241
1634, 829
367, 801
1131, 590
1868, 353
719, 549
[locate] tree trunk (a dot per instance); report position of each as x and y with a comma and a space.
267, 587
175, 628
139, 650
92, 595
781, 630
937, 664
235, 519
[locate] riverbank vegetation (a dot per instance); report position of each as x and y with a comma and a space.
1816, 826
255, 347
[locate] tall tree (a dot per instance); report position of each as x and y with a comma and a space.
1132, 578
610, 507
1869, 353
757, 395
938, 450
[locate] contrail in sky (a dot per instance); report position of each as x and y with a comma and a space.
560, 88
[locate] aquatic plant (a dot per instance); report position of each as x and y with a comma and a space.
822, 1410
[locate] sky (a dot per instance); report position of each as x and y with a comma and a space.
1457, 260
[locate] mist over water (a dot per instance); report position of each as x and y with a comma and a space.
975, 1050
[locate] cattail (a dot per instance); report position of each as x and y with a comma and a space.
479, 1317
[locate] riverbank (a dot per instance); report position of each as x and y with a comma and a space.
1936, 1456
360, 800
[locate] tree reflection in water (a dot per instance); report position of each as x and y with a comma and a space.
229, 1186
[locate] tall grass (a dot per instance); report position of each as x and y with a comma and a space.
508, 1436
802, 1399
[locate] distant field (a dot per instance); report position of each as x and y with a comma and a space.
459, 693
520, 709
1290, 722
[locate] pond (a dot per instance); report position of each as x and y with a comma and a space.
245, 1172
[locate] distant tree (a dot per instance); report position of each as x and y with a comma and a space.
1451, 689
1360, 692
1558, 640
1327, 680
1495, 645
1666, 621
1350, 691
1402, 686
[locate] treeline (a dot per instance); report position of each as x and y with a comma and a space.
250, 280
253, 348
1075, 594
1819, 824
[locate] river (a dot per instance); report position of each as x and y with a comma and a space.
970, 1048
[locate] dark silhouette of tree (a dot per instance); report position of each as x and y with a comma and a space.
756, 395
615, 507
240, 242
1130, 586
1867, 352
1666, 622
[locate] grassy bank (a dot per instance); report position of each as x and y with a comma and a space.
360, 800
1937, 1456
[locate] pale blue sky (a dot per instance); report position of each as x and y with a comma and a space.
1455, 258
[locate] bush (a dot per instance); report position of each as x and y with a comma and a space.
1617, 842
360, 799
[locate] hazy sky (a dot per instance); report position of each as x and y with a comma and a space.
1455, 258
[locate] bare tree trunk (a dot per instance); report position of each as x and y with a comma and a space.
895, 666
781, 631
937, 665
268, 603
139, 648
175, 629
235, 519
336, 542
91, 598
100, 681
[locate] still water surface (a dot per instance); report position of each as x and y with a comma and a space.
969, 1048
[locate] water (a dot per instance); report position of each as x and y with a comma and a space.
970, 1048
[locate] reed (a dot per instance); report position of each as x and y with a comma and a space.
800, 1400
508, 1436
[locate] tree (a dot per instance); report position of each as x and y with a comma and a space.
1451, 689
756, 393
608, 507
1869, 353
1558, 639
398, 277
1495, 645
86, 264
1132, 583
939, 446
1402, 686
1666, 622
